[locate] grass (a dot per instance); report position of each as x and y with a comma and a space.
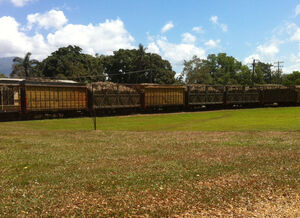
279, 119
62, 168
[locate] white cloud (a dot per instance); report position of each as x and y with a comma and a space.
20, 3
297, 10
283, 46
12, 41
102, 38
292, 30
198, 29
153, 48
250, 58
177, 53
51, 19
296, 35
167, 27
224, 27
269, 50
215, 20
265, 52
188, 38
212, 43
294, 63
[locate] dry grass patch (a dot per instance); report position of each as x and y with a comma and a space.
113, 173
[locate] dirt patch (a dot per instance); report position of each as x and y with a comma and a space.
265, 205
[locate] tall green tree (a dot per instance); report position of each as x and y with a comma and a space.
291, 79
277, 77
138, 66
95, 68
216, 69
24, 67
244, 76
197, 71
226, 70
70, 63
263, 73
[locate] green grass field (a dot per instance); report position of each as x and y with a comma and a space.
230, 163
224, 120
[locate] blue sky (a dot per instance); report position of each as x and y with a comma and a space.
266, 30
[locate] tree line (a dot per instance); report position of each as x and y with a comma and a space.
140, 66
222, 69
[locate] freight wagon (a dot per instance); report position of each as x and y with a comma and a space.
157, 97
242, 95
30, 99
55, 96
279, 94
10, 98
298, 94
39, 99
204, 95
111, 98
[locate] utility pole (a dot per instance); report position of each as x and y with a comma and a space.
253, 71
278, 66
277, 76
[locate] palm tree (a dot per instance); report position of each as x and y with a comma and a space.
23, 67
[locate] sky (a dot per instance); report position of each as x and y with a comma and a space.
266, 30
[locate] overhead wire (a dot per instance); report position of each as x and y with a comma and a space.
95, 76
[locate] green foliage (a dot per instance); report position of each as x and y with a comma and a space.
226, 70
2, 75
197, 71
265, 75
139, 66
292, 79
145, 67
70, 63
216, 69
24, 67
244, 76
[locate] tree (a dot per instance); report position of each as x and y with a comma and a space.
197, 71
24, 67
277, 77
244, 76
95, 68
138, 66
70, 63
216, 69
265, 75
227, 69
291, 79
2, 75
262, 73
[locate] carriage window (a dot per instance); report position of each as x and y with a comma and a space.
9, 98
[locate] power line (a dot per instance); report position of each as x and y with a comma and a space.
131, 72
97, 76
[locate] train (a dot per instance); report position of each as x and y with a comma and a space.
22, 99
